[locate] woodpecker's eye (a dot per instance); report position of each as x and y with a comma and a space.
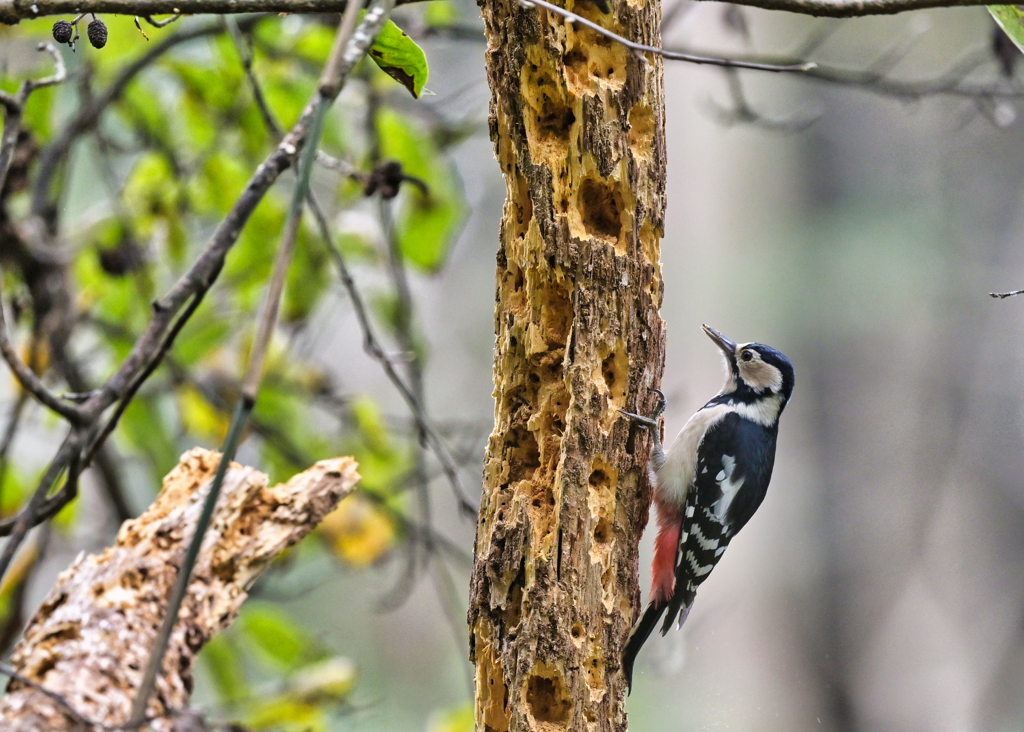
747, 355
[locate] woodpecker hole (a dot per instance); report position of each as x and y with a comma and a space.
594, 61
600, 209
522, 203
515, 603
603, 531
523, 455
577, 631
607, 588
550, 117
595, 672
556, 314
543, 497
614, 365
641, 132
546, 697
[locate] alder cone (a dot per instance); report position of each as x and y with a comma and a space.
97, 32
62, 31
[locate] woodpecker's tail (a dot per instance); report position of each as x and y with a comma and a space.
640, 633
679, 605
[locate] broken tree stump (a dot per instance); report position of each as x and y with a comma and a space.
91, 638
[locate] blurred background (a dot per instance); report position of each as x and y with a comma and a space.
857, 224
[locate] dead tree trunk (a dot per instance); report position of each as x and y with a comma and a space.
91, 639
576, 121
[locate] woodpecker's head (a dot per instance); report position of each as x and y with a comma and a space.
755, 371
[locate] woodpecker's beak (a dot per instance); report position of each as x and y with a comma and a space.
728, 347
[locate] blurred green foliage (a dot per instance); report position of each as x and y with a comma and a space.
142, 190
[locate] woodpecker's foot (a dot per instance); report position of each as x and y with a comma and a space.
648, 423
659, 408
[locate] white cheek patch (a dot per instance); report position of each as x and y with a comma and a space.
760, 376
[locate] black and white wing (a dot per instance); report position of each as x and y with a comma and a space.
734, 466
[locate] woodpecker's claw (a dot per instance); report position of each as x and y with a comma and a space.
645, 422
659, 408
649, 423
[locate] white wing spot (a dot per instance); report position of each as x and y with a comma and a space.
728, 486
689, 512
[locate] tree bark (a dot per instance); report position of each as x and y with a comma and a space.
91, 638
577, 123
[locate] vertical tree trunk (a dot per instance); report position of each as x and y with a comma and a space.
577, 123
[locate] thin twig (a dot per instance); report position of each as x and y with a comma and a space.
1004, 295
32, 383
798, 66
373, 347
742, 112
14, 105
36, 506
245, 53
161, 23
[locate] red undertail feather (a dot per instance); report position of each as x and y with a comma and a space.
663, 568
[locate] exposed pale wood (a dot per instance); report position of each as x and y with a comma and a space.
90, 639
577, 122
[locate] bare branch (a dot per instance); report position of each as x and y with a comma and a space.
670, 55
854, 8
14, 105
1004, 295
741, 112
12, 11
31, 383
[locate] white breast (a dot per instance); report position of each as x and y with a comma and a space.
677, 474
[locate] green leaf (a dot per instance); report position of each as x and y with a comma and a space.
1011, 19
399, 57
279, 639
427, 223
226, 667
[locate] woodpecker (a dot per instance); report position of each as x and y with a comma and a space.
712, 479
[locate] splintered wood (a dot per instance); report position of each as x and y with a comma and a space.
90, 640
577, 124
